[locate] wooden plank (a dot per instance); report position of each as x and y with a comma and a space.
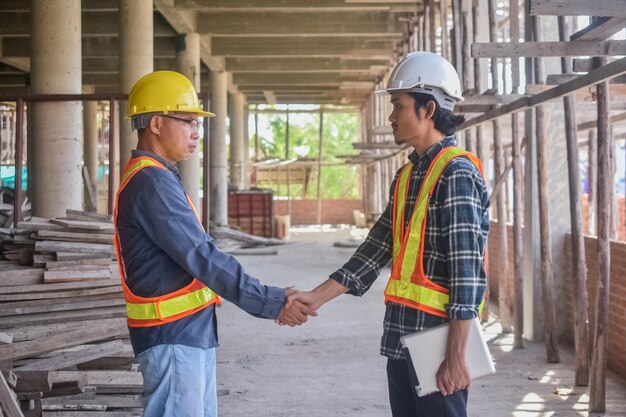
73, 247
605, 72
54, 305
546, 49
75, 237
56, 276
115, 379
8, 400
578, 7
40, 288
73, 256
84, 225
33, 381
39, 224
72, 315
73, 358
594, 123
109, 401
91, 414
32, 278
25, 333
88, 216
19, 307
5, 338
78, 262
600, 29
31, 348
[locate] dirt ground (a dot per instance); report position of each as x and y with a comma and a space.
331, 367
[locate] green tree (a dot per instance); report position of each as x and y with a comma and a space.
340, 130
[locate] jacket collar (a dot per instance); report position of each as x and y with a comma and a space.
432, 152
136, 153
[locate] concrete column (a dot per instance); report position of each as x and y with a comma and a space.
136, 60
90, 119
246, 148
188, 64
236, 142
218, 162
57, 127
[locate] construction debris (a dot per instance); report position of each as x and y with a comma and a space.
64, 348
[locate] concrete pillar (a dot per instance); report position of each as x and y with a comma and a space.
218, 161
246, 148
236, 142
90, 119
57, 127
188, 64
136, 60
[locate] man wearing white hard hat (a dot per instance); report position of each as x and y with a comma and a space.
433, 233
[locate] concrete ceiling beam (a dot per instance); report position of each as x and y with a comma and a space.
279, 6
300, 64
94, 23
101, 47
305, 47
295, 78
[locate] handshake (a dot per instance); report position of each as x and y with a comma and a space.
298, 306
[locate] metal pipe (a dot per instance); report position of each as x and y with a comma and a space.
19, 150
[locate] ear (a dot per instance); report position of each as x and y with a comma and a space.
430, 109
155, 124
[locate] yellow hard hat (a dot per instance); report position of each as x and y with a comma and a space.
164, 91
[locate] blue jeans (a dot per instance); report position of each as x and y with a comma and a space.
178, 381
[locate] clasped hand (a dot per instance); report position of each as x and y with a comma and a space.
298, 306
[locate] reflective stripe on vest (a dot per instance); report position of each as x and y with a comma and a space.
408, 284
155, 311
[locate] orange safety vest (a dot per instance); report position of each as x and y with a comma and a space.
155, 311
408, 285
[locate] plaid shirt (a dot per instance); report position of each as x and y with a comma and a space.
456, 235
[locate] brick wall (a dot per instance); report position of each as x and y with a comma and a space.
565, 294
333, 211
617, 298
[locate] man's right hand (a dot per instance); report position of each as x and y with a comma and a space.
294, 312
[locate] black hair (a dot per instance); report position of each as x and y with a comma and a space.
445, 121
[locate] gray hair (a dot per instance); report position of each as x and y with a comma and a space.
141, 121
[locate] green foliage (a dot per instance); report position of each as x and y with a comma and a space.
340, 130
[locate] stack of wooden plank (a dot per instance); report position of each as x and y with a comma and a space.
64, 347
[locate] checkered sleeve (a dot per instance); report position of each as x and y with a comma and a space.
363, 268
463, 214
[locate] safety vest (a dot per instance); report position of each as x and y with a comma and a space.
408, 285
155, 311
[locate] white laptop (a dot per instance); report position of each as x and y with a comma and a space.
426, 350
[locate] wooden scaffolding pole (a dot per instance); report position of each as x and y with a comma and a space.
579, 268
470, 143
501, 227
600, 339
518, 190
443, 15
592, 181
547, 279
319, 168
432, 25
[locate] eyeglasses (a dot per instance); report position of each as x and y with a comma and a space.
194, 123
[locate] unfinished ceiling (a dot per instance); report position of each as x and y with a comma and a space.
296, 51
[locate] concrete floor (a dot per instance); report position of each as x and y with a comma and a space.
330, 366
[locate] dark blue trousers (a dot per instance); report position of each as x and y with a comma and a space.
405, 402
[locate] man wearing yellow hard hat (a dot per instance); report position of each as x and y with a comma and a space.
172, 273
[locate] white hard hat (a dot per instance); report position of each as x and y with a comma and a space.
428, 73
